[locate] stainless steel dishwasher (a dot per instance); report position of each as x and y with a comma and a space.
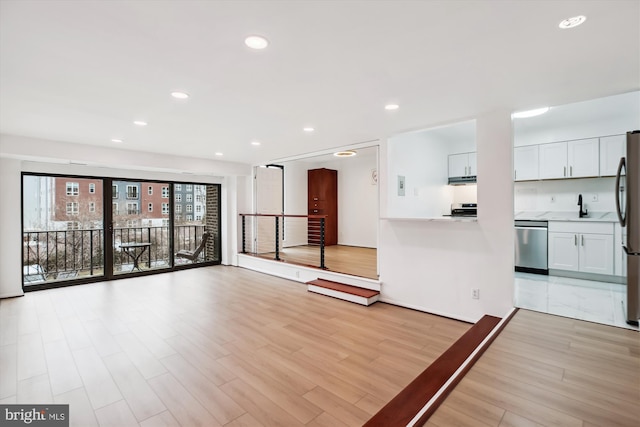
531, 247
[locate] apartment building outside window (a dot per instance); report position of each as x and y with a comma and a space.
165, 192
178, 187
189, 198
73, 188
178, 197
165, 208
115, 208
150, 190
92, 188
73, 225
178, 208
114, 192
189, 187
189, 208
72, 208
132, 208
150, 207
132, 191
92, 206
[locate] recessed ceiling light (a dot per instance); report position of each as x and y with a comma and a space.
140, 123
180, 95
256, 42
218, 154
391, 107
116, 140
346, 153
529, 113
255, 142
308, 129
572, 22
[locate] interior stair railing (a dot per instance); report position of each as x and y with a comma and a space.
298, 239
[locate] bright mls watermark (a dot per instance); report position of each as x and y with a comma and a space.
34, 415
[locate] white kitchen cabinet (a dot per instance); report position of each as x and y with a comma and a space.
612, 148
570, 159
463, 164
581, 246
583, 158
563, 251
553, 160
525, 163
620, 257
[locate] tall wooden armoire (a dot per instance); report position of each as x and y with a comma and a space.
322, 195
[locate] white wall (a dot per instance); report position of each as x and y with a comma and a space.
10, 229
433, 266
19, 154
422, 159
295, 202
534, 196
357, 200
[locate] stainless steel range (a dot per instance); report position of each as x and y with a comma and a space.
464, 209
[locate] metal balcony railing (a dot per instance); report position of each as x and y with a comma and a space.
298, 239
53, 255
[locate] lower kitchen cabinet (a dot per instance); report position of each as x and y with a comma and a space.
572, 248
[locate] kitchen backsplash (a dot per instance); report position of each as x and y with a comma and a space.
562, 195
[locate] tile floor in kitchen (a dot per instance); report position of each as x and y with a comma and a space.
598, 302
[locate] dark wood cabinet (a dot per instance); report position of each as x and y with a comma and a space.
322, 194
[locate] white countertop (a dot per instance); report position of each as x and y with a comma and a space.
567, 216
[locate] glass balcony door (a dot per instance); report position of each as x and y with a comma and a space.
63, 234
140, 215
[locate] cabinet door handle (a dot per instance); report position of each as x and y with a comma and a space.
565, 171
570, 170
575, 240
582, 240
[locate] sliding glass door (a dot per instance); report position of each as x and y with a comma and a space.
63, 234
151, 226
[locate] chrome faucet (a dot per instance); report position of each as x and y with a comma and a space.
582, 214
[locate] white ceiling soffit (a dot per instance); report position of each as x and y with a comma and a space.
82, 72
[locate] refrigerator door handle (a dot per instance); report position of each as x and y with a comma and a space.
621, 218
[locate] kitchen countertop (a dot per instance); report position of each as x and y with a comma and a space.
566, 216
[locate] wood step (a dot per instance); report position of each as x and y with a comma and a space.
344, 292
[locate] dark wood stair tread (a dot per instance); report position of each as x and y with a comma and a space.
341, 287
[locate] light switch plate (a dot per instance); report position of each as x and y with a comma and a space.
401, 185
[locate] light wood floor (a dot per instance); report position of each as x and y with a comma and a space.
353, 260
545, 370
215, 346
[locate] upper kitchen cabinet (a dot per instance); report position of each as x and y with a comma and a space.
463, 165
611, 150
570, 159
525, 163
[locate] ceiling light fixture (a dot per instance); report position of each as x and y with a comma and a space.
140, 123
572, 22
116, 140
180, 95
308, 129
218, 154
529, 113
256, 42
346, 153
255, 143
391, 107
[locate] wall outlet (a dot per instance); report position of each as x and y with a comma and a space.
594, 197
475, 293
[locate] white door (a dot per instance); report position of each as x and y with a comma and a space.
563, 251
553, 160
458, 164
596, 253
612, 148
583, 158
269, 198
525, 163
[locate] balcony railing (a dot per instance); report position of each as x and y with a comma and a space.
65, 254
298, 239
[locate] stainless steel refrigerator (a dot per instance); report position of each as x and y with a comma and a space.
628, 208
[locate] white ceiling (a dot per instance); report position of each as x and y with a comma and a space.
82, 71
